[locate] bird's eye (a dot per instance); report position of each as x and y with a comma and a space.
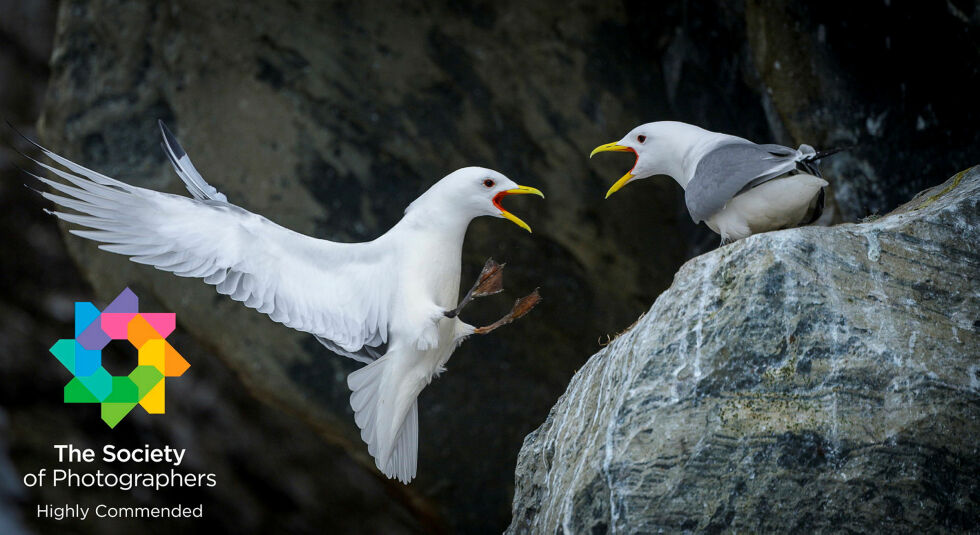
488, 183
641, 138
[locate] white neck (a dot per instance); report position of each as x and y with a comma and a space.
690, 143
436, 219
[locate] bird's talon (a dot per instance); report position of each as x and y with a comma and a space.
490, 281
520, 309
526, 303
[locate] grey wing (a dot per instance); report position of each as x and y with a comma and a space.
731, 169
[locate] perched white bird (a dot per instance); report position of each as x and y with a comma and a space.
737, 187
387, 302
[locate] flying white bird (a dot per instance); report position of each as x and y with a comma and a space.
388, 302
737, 187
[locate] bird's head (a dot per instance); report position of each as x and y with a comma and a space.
649, 143
477, 191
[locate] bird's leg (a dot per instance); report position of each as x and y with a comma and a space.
490, 281
521, 307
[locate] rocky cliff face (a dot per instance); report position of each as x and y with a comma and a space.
820, 379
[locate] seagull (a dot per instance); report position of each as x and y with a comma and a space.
738, 188
389, 303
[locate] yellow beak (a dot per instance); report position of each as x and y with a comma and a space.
519, 190
615, 147
610, 147
619, 184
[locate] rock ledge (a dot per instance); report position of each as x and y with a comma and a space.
818, 378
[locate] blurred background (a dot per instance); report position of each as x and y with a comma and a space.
329, 118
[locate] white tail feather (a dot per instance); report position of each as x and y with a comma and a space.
391, 434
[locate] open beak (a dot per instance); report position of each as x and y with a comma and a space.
519, 190
616, 147
619, 184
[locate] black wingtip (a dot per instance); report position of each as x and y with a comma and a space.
26, 157
829, 152
11, 126
30, 174
35, 177
35, 190
171, 140
14, 128
21, 134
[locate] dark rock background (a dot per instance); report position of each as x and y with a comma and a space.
329, 117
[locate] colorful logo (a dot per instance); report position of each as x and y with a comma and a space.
119, 394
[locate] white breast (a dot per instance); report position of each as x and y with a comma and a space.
777, 204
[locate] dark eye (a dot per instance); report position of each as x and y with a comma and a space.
488, 183
641, 138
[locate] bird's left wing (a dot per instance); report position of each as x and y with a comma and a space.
339, 292
732, 168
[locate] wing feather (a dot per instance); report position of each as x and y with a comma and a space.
185, 168
337, 291
732, 168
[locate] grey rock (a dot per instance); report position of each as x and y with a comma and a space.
815, 379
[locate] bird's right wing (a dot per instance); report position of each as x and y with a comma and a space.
732, 168
339, 292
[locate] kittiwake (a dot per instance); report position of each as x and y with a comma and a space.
390, 302
738, 188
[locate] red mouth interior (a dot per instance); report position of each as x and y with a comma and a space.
634, 161
496, 200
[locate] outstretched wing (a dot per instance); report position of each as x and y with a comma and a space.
339, 292
732, 168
